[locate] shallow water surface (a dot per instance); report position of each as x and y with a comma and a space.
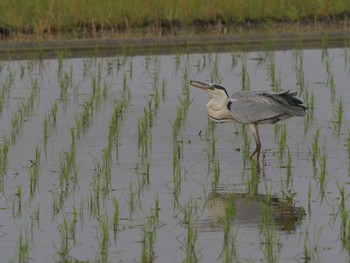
114, 160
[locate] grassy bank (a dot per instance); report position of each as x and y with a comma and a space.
45, 17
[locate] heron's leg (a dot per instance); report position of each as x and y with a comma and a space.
254, 128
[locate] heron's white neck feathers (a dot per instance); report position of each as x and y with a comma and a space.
217, 109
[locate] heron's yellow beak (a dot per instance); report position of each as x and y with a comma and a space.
200, 84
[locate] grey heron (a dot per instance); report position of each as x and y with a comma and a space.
250, 107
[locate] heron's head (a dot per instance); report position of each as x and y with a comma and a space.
216, 91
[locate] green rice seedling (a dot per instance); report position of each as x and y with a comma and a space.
33, 171
17, 202
23, 248
331, 83
45, 131
164, 84
289, 169
282, 141
64, 83
115, 219
309, 102
324, 44
60, 57
4, 148
53, 113
177, 170
309, 194
269, 238
245, 75
344, 218
323, 180
103, 237
338, 116
229, 253
63, 252
315, 149
216, 174
149, 232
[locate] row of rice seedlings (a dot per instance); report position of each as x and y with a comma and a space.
115, 121
275, 81
67, 176
25, 108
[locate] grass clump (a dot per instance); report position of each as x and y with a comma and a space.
47, 17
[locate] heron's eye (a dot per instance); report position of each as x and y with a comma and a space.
211, 87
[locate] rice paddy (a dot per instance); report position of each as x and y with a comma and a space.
113, 159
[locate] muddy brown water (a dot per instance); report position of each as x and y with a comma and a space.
313, 216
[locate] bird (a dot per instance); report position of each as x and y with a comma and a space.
250, 107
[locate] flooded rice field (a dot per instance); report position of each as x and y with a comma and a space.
113, 159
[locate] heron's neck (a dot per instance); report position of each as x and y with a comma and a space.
218, 111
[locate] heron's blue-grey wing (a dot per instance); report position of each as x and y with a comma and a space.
262, 107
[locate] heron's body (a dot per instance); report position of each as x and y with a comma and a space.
252, 108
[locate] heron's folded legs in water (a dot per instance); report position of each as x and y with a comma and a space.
254, 128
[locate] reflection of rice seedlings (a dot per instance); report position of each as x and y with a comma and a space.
181, 113
347, 142
338, 116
